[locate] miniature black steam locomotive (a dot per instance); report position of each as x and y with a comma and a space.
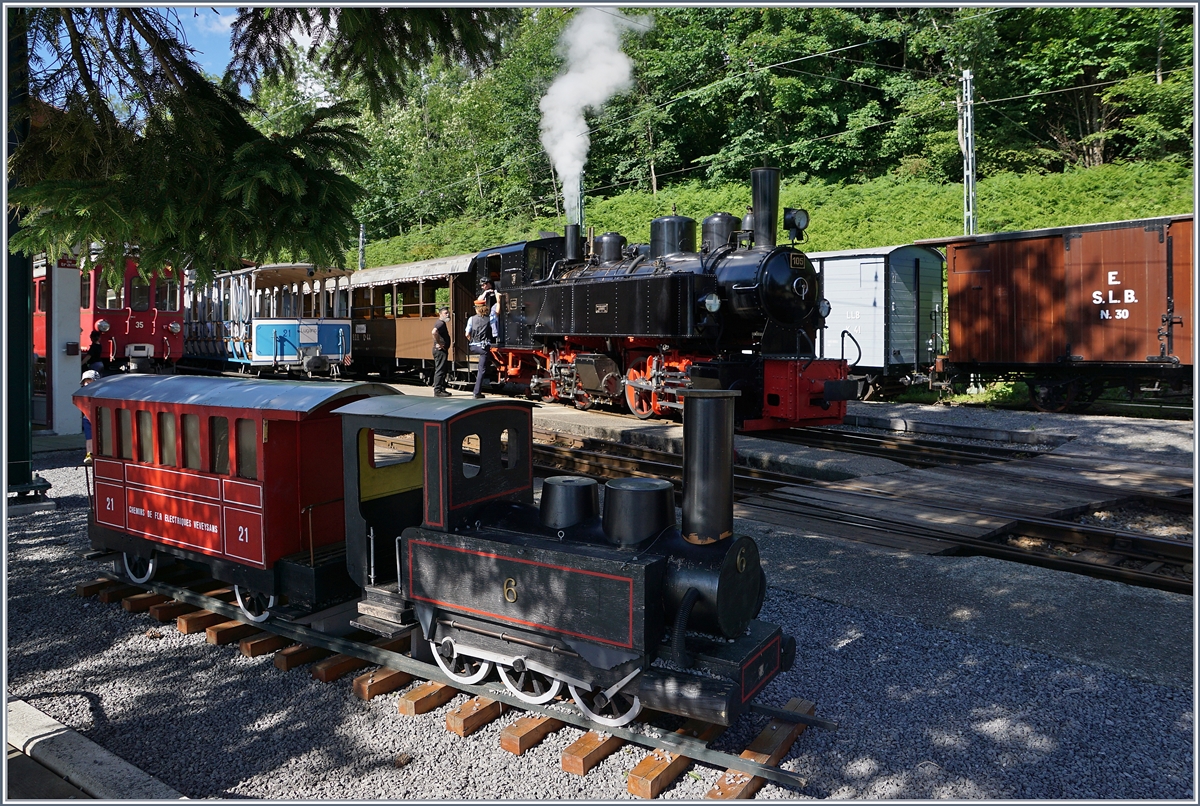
423, 512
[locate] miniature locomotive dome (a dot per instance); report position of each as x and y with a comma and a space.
636, 509
230, 474
568, 500
432, 462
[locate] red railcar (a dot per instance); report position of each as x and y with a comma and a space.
1071, 310
244, 477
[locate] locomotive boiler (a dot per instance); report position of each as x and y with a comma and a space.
423, 515
603, 321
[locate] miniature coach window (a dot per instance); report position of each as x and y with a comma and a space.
218, 448
125, 433
145, 437
104, 443
191, 441
247, 450
166, 438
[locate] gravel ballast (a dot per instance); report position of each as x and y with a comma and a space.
925, 712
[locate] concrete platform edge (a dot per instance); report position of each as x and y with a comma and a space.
78, 759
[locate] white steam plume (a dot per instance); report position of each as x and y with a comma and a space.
595, 70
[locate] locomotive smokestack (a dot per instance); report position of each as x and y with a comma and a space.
708, 464
764, 195
571, 246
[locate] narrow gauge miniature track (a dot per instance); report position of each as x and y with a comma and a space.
203, 605
1128, 557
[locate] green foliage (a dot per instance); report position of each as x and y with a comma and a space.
886, 211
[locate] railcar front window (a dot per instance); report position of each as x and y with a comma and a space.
41, 296
166, 294
103, 431
125, 432
218, 448
191, 441
166, 439
247, 449
139, 293
85, 290
109, 296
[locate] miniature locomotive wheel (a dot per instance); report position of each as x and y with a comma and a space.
529, 686
255, 606
139, 569
458, 667
620, 710
640, 401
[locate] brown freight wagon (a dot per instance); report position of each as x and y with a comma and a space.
1073, 310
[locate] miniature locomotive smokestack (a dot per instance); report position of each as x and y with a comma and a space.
571, 246
708, 464
764, 195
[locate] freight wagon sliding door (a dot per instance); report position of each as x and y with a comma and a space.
1117, 287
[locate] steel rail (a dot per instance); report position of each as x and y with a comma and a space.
667, 740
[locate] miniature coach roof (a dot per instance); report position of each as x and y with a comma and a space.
425, 409
432, 269
292, 399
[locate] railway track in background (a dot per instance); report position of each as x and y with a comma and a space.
199, 604
942, 525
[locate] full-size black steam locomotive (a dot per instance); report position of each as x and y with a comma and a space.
598, 320
423, 512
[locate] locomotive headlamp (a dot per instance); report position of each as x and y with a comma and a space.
824, 308
712, 303
795, 218
175, 327
103, 326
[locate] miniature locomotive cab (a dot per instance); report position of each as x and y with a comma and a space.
238, 477
618, 607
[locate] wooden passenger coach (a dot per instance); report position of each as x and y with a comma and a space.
243, 476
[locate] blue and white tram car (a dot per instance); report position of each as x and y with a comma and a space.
278, 318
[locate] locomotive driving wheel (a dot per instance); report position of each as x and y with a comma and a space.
139, 569
529, 686
458, 667
640, 401
614, 712
255, 606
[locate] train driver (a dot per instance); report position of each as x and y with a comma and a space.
486, 292
480, 335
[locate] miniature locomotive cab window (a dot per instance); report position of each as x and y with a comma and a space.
247, 449
470, 456
486, 452
390, 478
190, 424
166, 439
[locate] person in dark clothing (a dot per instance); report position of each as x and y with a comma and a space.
93, 357
480, 336
487, 293
441, 351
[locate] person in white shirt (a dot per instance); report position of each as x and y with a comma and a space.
481, 332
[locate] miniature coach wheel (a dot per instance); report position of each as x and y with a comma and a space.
461, 668
620, 710
255, 606
139, 569
529, 686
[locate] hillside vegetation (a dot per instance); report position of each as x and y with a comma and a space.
881, 212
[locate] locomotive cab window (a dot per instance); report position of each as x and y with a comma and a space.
166, 294
108, 295
247, 449
391, 479
470, 456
